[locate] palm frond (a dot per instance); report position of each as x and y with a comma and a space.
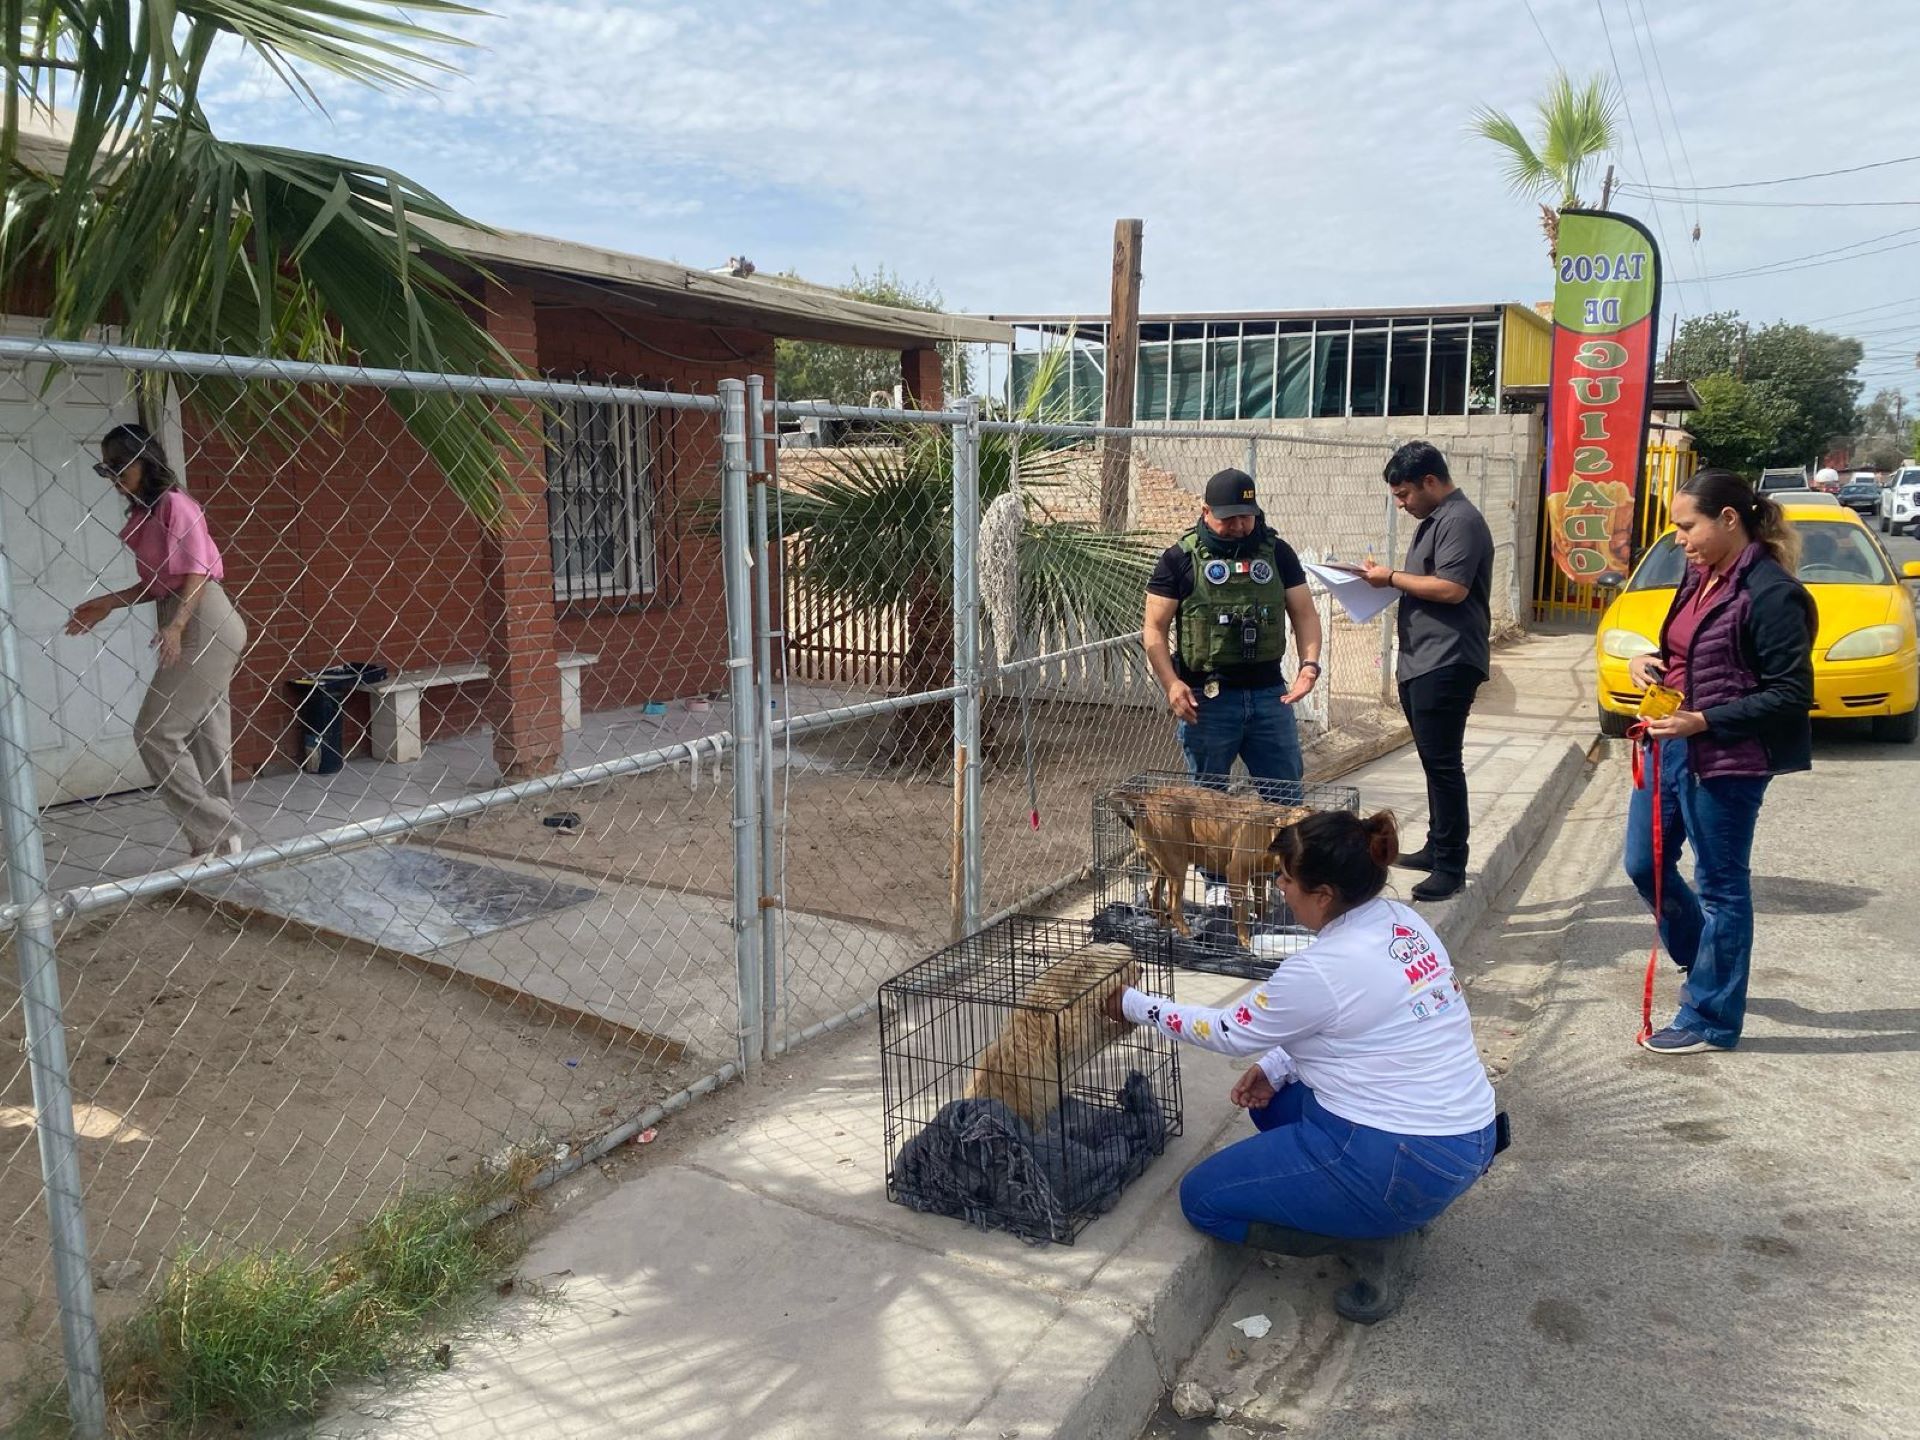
1577, 126
187, 241
1525, 173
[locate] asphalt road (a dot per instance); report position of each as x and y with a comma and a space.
1901, 547
1707, 1245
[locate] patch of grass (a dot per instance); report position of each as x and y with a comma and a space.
258, 1340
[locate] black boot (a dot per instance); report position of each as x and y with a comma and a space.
1421, 859
1440, 884
1384, 1275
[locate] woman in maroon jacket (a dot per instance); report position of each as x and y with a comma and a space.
1738, 644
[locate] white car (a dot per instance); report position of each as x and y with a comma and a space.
1900, 501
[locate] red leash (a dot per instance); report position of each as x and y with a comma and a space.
1645, 747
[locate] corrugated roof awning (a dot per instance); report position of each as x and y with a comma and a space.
1667, 395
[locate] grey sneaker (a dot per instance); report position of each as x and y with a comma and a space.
1675, 1041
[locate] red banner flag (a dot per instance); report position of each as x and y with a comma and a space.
1606, 315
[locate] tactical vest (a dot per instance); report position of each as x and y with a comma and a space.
1237, 613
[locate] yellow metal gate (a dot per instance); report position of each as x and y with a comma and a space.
1555, 597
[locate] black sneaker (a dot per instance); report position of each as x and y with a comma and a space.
1421, 859
1675, 1041
1439, 885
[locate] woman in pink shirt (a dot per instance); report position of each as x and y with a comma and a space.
185, 726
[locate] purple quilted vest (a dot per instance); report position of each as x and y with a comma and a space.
1717, 670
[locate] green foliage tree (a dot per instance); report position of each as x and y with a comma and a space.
1799, 381
1738, 424
1575, 125
849, 375
185, 240
1880, 438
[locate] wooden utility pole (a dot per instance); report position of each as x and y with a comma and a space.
1123, 348
1606, 189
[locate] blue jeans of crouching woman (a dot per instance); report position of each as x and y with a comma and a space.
1250, 725
1707, 927
1313, 1171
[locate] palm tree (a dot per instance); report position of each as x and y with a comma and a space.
873, 533
1577, 125
184, 240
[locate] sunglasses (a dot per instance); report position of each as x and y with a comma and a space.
112, 472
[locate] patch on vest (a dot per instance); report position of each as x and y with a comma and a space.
1262, 572
1216, 572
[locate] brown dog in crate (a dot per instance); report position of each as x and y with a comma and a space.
1176, 827
1059, 1025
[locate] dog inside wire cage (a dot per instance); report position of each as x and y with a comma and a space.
1011, 1101
1193, 857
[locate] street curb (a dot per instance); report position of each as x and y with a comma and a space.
1102, 1368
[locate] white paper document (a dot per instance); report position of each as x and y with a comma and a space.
1351, 592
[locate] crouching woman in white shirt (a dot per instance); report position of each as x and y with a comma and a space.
1373, 1108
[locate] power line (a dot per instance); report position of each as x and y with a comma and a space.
1633, 130
1653, 49
1666, 150
1811, 175
1864, 309
1815, 260
1648, 192
1542, 34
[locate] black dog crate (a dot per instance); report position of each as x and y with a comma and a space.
1123, 881
1011, 1102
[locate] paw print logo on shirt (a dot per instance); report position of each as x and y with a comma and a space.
1201, 1030
1243, 1015
1173, 1021
1260, 999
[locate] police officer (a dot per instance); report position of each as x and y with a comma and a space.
1218, 604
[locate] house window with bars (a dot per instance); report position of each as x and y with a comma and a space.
600, 501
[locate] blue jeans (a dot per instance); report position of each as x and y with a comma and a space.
1309, 1169
1707, 928
1251, 725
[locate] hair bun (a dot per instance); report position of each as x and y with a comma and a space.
1383, 838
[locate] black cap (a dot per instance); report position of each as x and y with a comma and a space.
1230, 494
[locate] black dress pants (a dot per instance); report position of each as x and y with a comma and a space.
1436, 705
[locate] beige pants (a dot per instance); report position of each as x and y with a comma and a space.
185, 726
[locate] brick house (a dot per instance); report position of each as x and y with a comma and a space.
343, 542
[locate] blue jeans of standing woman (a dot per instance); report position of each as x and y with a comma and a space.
1313, 1171
1707, 927
1251, 725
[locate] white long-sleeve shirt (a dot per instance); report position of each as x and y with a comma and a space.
1370, 1015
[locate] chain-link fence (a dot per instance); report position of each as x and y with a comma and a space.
524, 821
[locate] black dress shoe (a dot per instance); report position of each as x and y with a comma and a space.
1421, 859
1439, 885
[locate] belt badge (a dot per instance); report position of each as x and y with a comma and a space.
1211, 690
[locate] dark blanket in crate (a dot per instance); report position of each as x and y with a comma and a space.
980, 1161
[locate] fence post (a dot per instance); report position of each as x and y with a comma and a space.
46, 1037
1253, 457
1389, 618
773, 901
735, 562
966, 654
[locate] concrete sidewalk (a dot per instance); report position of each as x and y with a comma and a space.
745, 1276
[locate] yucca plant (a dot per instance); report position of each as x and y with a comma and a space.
874, 533
1577, 125
151, 222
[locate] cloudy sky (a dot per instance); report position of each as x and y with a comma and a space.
1281, 154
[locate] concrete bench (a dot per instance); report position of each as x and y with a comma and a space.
396, 701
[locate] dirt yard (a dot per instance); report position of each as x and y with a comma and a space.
862, 843
269, 1089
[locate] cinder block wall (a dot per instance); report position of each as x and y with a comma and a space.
1326, 493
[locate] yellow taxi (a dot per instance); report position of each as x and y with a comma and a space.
1865, 661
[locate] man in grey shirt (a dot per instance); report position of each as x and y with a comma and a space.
1445, 647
